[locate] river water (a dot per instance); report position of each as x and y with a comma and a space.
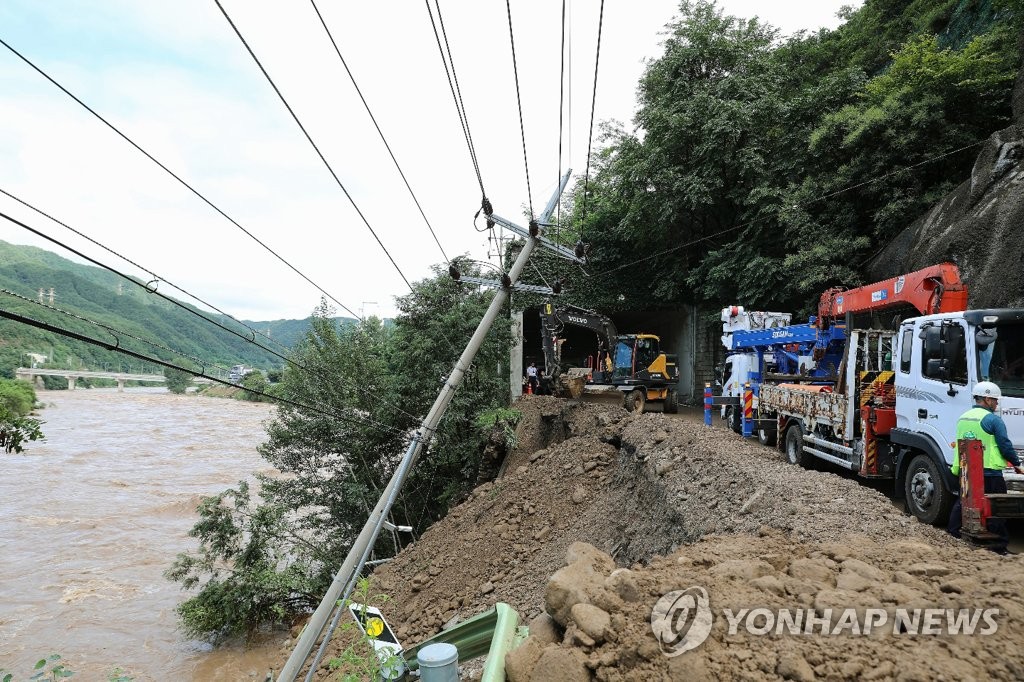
91, 518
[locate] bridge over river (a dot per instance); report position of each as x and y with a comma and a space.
73, 375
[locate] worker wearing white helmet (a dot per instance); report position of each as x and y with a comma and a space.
982, 423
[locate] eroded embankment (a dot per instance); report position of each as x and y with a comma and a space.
751, 529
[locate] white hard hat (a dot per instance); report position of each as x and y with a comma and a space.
986, 389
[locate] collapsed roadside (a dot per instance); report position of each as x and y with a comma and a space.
730, 516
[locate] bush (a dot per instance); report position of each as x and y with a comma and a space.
17, 396
178, 380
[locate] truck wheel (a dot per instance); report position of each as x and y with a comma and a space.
634, 401
732, 416
767, 435
672, 403
926, 495
795, 446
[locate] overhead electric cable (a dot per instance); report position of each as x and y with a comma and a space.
117, 333
792, 206
519, 101
561, 117
149, 272
172, 301
323, 158
137, 283
178, 178
45, 326
453, 86
379, 131
590, 135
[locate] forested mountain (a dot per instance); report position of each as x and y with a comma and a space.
763, 169
152, 326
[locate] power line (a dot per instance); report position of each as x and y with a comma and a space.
116, 333
561, 117
590, 135
137, 283
519, 101
170, 300
358, 420
796, 205
308, 137
453, 86
319, 153
152, 274
176, 177
45, 326
379, 131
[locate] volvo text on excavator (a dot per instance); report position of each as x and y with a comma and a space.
632, 363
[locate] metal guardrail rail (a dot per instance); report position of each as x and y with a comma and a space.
493, 633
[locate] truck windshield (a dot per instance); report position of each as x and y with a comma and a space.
1002, 361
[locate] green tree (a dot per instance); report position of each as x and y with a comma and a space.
257, 384
17, 400
363, 388
178, 381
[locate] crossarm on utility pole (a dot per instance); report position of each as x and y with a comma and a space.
343, 581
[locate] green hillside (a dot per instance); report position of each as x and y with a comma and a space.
101, 296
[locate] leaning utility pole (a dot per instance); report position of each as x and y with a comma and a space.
341, 587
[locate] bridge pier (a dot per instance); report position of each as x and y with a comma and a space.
71, 383
120, 385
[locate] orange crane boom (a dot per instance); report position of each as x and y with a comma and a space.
935, 289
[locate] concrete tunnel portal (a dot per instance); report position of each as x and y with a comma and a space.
680, 329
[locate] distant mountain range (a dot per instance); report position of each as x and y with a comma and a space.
141, 321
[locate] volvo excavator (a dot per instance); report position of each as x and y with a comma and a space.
632, 363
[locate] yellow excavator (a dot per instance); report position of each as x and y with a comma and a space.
632, 363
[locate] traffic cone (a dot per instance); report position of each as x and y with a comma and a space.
529, 388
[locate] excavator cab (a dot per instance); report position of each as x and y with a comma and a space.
639, 356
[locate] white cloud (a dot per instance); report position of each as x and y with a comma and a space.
175, 78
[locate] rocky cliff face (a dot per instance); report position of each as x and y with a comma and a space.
979, 226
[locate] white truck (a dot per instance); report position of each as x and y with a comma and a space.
892, 411
743, 366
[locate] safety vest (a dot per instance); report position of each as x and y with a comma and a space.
969, 427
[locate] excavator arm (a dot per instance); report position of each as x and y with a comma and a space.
935, 289
554, 318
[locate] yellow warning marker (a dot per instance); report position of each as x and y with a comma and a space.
374, 627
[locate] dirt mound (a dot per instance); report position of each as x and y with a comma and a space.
642, 486
601, 627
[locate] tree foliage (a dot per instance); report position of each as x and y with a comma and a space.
762, 169
362, 389
17, 400
178, 380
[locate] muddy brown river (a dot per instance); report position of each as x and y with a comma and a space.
91, 518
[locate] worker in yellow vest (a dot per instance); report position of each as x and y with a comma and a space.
982, 423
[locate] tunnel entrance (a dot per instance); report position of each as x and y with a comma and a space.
681, 332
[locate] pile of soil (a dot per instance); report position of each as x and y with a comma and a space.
730, 515
599, 625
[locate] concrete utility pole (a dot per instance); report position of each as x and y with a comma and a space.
346, 577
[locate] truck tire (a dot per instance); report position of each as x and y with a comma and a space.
672, 403
795, 446
926, 494
635, 400
767, 435
732, 418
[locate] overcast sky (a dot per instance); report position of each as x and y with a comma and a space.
175, 78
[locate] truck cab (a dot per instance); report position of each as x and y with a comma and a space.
939, 359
